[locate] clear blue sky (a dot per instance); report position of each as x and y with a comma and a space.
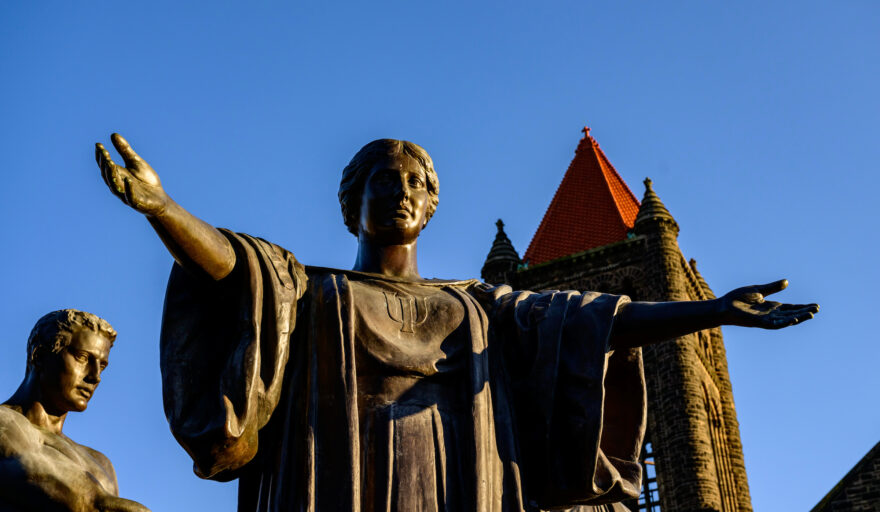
756, 121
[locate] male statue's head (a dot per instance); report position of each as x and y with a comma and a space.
67, 351
389, 191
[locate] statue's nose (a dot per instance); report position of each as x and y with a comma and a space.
94, 374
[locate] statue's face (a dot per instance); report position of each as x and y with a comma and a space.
69, 378
394, 201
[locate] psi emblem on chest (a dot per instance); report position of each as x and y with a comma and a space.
406, 310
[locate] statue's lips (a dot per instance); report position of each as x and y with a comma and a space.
400, 213
85, 391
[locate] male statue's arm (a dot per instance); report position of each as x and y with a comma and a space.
195, 244
643, 323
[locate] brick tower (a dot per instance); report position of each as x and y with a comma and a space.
596, 235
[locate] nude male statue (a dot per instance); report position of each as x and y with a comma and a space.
41, 469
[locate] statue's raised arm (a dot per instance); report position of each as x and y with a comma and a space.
196, 245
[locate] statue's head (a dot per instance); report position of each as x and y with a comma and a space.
389, 191
67, 351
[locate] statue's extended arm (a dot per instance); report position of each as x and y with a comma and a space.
644, 323
195, 244
107, 503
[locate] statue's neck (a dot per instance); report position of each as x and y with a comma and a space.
28, 401
398, 260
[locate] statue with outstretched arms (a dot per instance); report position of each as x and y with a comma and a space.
375, 389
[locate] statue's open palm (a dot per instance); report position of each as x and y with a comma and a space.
106, 503
136, 184
746, 307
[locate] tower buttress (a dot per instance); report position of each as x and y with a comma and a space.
740, 494
686, 471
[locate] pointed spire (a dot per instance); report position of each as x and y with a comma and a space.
502, 247
592, 207
652, 208
702, 282
502, 258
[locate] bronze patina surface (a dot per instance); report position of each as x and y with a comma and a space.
41, 469
375, 389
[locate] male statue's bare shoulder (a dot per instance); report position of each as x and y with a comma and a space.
16, 433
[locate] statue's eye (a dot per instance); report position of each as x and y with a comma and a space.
416, 182
103, 366
82, 357
383, 177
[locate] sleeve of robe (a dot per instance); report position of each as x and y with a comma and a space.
223, 350
579, 408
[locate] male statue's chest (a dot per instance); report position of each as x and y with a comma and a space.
44, 455
79, 456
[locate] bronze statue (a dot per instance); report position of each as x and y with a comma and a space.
41, 469
374, 389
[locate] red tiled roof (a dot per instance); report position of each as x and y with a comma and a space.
592, 207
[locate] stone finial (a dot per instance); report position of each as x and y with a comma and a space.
653, 210
652, 207
502, 247
502, 256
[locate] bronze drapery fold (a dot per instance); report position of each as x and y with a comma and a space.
546, 431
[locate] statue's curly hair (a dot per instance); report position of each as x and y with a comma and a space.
351, 187
55, 330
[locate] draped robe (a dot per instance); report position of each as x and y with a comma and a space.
524, 403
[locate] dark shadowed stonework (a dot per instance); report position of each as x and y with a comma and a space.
693, 434
859, 490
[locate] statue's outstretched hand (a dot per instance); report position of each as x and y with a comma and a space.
107, 503
136, 184
746, 307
